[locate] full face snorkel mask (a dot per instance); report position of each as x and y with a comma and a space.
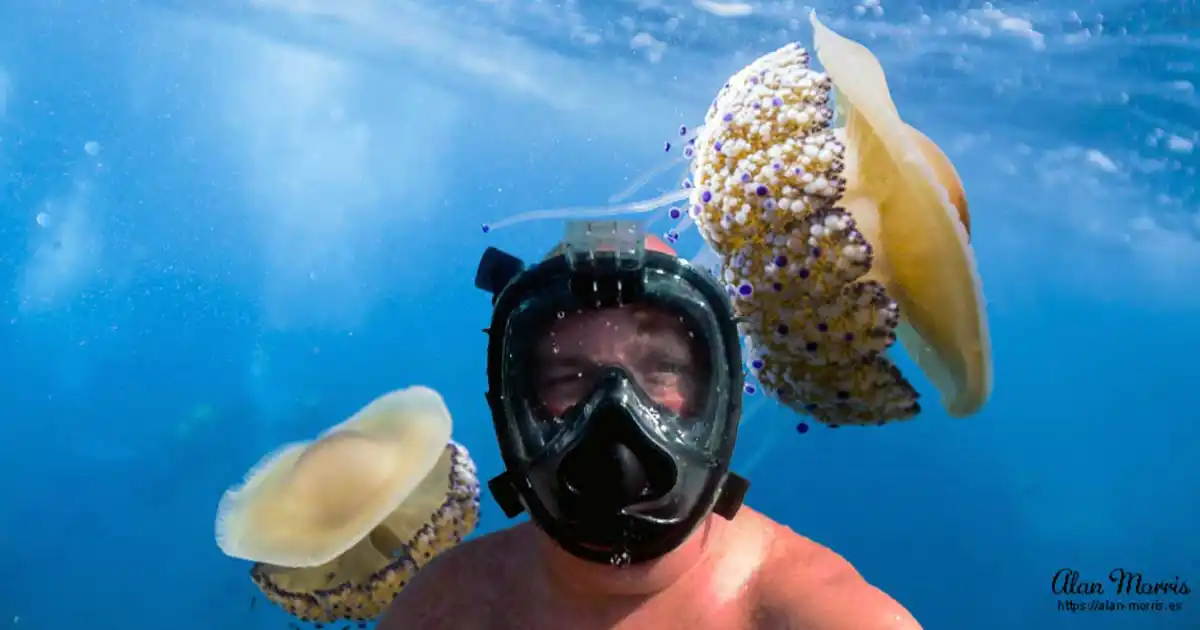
618, 472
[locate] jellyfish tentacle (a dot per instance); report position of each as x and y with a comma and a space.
635, 207
644, 179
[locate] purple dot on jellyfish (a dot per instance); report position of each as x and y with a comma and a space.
757, 106
802, 428
674, 213
688, 152
757, 364
781, 261
811, 346
683, 130
753, 80
706, 196
782, 329
822, 327
745, 289
686, 183
848, 337
750, 389
816, 252
745, 178
777, 166
761, 191
696, 210
728, 117
778, 286
666, 146
777, 102
717, 146
803, 273
486, 228
673, 235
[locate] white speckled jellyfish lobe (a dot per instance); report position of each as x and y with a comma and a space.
336, 527
833, 242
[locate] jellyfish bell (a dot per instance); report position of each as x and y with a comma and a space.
906, 198
337, 526
361, 583
945, 174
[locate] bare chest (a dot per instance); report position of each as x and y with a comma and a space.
719, 601
662, 613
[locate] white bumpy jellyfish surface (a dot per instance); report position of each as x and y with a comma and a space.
834, 242
337, 526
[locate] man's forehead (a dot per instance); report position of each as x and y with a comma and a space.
616, 317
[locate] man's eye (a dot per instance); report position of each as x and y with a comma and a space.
669, 367
563, 378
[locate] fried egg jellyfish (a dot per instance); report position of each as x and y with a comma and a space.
337, 527
834, 241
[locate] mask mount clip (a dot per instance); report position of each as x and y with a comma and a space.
506, 495
496, 270
731, 497
608, 260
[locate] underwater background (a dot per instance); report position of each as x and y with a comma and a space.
228, 225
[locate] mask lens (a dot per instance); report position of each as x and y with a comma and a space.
655, 347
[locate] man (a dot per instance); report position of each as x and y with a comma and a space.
615, 383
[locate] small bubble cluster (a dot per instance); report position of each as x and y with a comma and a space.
766, 178
367, 598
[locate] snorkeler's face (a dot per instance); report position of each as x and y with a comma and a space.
654, 347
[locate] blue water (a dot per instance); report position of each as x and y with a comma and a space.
227, 225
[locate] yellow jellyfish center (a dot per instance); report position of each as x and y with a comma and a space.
324, 475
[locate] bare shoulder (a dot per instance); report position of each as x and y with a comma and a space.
807, 585
454, 590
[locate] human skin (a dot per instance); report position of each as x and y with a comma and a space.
740, 574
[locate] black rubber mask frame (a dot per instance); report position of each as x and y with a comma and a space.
572, 282
590, 279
